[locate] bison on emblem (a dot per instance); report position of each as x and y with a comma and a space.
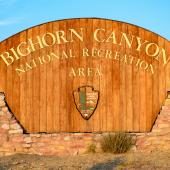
86, 100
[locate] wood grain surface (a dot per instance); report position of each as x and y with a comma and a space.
42, 98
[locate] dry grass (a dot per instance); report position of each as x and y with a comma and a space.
91, 148
117, 143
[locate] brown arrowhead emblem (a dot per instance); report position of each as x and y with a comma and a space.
86, 100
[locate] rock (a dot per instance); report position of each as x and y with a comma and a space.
5, 109
3, 139
67, 138
40, 144
28, 140
2, 96
42, 164
5, 126
2, 103
16, 138
4, 119
35, 135
15, 163
156, 130
163, 125
26, 145
75, 153
13, 120
17, 131
9, 115
1, 113
15, 126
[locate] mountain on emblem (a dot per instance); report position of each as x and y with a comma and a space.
86, 100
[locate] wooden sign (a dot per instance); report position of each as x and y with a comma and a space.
85, 75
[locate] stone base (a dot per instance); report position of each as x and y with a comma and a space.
159, 137
13, 140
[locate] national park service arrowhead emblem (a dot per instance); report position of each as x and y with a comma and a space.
86, 100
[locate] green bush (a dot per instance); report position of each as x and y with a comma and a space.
117, 143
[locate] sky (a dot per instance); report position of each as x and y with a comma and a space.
18, 15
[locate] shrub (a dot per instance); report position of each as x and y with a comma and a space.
91, 148
117, 143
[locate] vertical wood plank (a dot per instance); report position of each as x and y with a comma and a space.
56, 84
103, 81
43, 87
149, 86
9, 77
49, 74
3, 68
142, 89
29, 86
123, 93
96, 81
36, 87
63, 85
135, 88
23, 87
116, 83
129, 82
109, 66
16, 83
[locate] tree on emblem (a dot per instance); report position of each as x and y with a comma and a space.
86, 100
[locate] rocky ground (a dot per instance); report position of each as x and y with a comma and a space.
158, 160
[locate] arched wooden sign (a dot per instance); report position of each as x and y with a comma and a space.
85, 75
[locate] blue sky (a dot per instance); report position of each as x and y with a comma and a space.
17, 15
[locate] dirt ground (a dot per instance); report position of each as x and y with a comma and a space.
130, 161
